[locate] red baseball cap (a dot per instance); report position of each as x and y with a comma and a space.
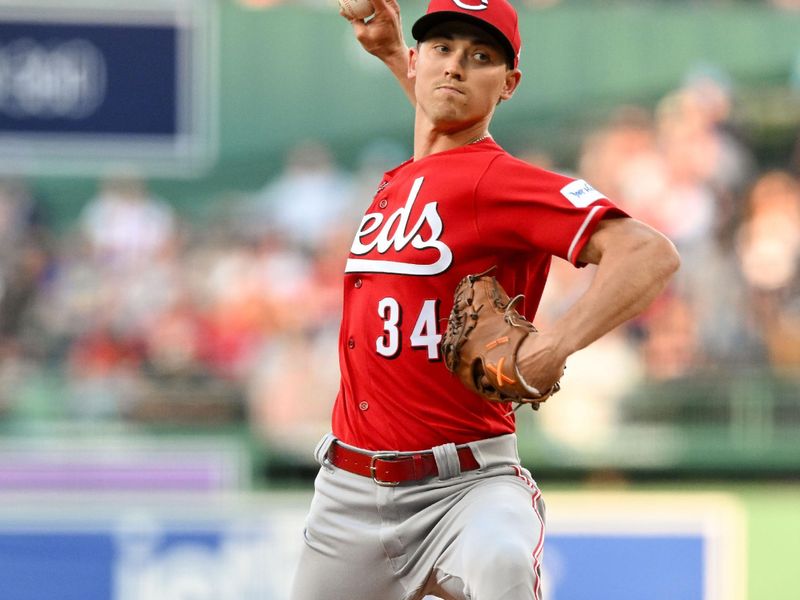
496, 16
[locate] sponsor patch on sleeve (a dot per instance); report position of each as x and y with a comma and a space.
580, 193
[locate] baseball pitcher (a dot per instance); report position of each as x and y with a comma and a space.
420, 489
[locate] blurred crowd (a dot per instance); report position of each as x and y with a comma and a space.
135, 309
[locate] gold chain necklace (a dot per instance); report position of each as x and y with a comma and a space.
479, 139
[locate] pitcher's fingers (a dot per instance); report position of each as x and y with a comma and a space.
350, 19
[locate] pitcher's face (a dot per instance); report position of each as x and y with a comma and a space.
461, 74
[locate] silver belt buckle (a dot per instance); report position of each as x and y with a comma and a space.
373, 469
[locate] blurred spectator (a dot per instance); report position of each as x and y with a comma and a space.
125, 224
621, 160
711, 91
24, 256
236, 310
103, 367
692, 154
177, 342
671, 346
302, 202
768, 248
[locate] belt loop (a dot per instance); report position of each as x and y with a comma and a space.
321, 451
447, 462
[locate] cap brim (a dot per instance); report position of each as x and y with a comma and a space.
426, 22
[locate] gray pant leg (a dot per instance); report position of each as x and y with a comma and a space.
496, 553
342, 558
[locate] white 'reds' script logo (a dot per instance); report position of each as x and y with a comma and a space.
398, 238
482, 6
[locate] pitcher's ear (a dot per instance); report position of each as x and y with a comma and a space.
513, 78
412, 62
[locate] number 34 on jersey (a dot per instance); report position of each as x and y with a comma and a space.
424, 334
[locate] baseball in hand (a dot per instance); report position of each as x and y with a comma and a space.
356, 9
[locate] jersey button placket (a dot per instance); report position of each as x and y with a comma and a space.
358, 283
351, 343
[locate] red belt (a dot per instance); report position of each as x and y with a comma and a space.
394, 468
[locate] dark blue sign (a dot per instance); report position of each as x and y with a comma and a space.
87, 88
156, 561
51, 565
96, 79
625, 567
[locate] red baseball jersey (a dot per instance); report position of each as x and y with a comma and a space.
432, 222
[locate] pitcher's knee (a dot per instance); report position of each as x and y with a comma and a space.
507, 574
507, 561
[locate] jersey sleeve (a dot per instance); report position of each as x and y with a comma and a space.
521, 207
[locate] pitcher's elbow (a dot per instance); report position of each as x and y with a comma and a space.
668, 257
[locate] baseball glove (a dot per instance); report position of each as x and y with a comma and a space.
484, 334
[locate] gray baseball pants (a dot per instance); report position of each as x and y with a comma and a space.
476, 535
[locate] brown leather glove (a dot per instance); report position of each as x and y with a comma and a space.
484, 334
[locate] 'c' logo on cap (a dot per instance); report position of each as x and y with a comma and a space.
484, 4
